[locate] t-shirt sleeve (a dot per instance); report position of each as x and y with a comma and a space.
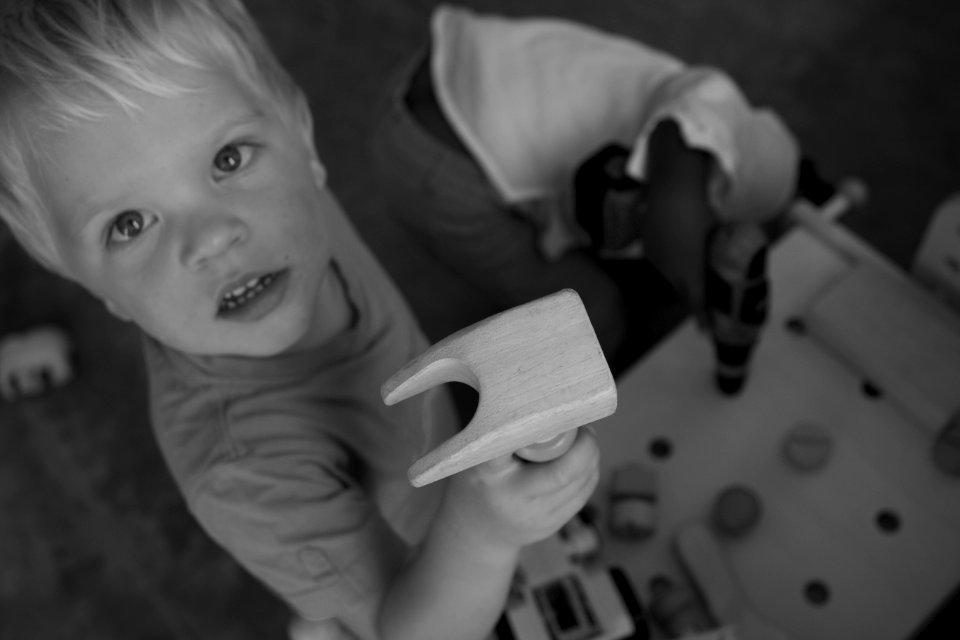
756, 155
304, 528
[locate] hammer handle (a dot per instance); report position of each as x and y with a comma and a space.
548, 449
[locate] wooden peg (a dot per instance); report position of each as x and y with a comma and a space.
539, 372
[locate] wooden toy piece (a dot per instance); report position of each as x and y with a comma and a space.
849, 194
580, 539
897, 336
936, 263
821, 222
807, 447
549, 449
946, 447
539, 372
677, 610
703, 560
633, 496
736, 511
32, 361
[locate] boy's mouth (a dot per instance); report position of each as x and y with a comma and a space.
252, 298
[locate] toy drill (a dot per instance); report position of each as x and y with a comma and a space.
737, 292
609, 205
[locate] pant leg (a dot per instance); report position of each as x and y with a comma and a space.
446, 201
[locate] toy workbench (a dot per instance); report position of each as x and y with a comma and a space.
850, 529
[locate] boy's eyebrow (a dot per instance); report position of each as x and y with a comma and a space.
91, 212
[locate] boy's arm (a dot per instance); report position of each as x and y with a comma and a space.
456, 585
679, 216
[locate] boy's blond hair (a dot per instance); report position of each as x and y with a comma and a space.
63, 61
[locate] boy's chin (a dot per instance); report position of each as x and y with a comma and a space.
265, 346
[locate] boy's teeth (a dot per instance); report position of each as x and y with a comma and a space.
245, 292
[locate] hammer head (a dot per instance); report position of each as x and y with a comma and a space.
538, 369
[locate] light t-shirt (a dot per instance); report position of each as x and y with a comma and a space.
532, 98
293, 463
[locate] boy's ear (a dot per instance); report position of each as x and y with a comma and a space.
115, 311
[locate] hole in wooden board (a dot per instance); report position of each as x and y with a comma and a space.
817, 593
888, 521
871, 390
660, 448
796, 325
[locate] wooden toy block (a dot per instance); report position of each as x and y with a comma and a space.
807, 447
539, 372
850, 193
633, 496
897, 336
703, 560
580, 538
677, 610
946, 447
736, 511
937, 261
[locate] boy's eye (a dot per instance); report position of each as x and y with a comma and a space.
126, 227
231, 158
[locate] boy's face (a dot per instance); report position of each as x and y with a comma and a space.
201, 217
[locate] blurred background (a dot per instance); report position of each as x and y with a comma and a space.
94, 539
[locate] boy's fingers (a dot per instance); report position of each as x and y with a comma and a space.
568, 466
571, 466
499, 466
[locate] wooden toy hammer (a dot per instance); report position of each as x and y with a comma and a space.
539, 372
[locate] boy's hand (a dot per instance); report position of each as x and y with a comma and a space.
507, 503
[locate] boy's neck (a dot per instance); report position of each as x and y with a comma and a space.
336, 311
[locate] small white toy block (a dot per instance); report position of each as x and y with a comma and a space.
633, 498
936, 264
581, 540
32, 360
702, 558
539, 372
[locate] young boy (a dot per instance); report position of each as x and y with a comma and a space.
483, 141
154, 152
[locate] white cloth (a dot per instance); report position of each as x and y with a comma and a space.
532, 98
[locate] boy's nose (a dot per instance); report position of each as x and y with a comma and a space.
210, 237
